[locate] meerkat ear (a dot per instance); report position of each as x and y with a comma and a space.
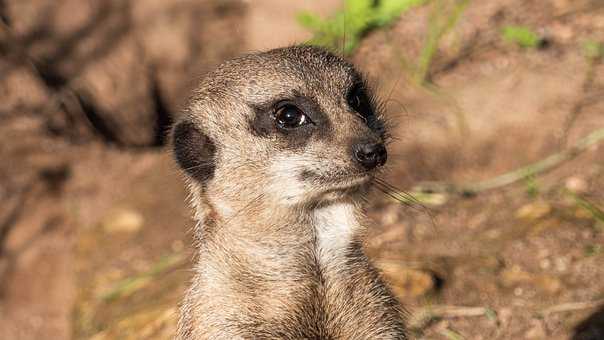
193, 150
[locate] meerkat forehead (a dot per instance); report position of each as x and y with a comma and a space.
304, 69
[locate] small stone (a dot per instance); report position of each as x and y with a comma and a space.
122, 221
576, 184
534, 210
441, 325
491, 263
390, 215
177, 246
548, 284
504, 315
408, 282
537, 331
514, 276
543, 253
561, 264
493, 234
583, 214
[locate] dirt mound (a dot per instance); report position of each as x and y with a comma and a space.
119, 68
88, 90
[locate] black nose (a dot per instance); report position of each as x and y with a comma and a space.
370, 155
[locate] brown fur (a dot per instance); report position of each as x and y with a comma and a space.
279, 234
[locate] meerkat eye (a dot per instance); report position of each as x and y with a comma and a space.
289, 116
357, 100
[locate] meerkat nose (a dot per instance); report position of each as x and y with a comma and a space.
370, 155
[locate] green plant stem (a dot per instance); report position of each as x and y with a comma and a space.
132, 284
522, 173
435, 33
596, 212
538, 167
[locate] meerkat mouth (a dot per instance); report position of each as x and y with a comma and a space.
333, 183
347, 186
356, 180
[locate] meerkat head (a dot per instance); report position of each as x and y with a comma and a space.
296, 126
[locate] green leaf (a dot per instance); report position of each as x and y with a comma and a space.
358, 6
310, 21
452, 335
390, 10
522, 36
593, 49
344, 30
594, 250
491, 314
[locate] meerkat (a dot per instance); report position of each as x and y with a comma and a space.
279, 149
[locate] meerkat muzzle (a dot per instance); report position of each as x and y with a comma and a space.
370, 155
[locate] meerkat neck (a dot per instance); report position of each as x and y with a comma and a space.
327, 232
332, 226
337, 227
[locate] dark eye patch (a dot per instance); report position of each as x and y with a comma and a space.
359, 101
265, 125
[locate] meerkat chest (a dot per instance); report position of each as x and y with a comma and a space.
335, 227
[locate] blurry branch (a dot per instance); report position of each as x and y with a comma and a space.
539, 167
424, 316
572, 306
428, 314
456, 311
452, 335
595, 212
594, 53
522, 173
133, 284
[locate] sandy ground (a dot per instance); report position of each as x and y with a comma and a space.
108, 255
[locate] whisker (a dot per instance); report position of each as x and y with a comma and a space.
401, 193
404, 197
402, 200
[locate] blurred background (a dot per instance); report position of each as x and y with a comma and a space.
496, 232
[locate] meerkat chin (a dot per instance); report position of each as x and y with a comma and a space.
279, 148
